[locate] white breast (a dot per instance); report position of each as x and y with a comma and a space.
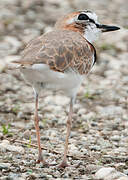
68, 82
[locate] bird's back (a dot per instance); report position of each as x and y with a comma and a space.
60, 50
57, 60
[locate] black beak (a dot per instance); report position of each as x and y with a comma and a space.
106, 28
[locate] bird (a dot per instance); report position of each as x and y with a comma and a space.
59, 60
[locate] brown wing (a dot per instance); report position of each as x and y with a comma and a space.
61, 50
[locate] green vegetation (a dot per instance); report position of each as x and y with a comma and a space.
5, 129
29, 171
88, 95
44, 121
105, 47
16, 109
30, 141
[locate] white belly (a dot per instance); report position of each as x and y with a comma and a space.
68, 82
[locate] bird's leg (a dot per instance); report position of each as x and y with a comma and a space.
36, 120
69, 123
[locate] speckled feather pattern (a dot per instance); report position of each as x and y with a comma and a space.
60, 49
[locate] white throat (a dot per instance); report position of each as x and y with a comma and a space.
91, 33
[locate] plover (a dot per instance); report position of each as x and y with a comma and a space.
60, 59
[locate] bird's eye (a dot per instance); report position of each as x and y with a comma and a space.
83, 17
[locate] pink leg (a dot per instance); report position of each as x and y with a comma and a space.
69, 123
36, 120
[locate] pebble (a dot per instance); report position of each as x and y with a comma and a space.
123, 178
76, 107
5, 145
84, 177
73, 149
14, 44
84, 117
93, 167
115, 138
27, 134
90, 115
95, 148
52, 108
109, 173
81, 111
13, 176
2, 66
125, 171
4, 166
4, 178
110, 110
58, 99
8, 2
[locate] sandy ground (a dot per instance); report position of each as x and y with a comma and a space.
99, 135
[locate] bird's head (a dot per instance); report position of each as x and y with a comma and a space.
84, 22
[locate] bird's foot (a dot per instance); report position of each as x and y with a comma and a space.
45, 164
63, 164
41, 160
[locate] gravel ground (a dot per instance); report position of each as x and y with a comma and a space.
99, 138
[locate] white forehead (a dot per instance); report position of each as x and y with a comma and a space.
91, 15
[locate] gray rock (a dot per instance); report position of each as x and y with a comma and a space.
107, 173
95, 148
4, 166
6, 145
27, 134
115, 138
14, 44
111, 110
8, 2
81, 111
125, 171
93, 168
123, 178
13, 176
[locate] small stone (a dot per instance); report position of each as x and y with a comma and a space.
2, 66
90, 115
14, 176
76, 107
4, 178
59, 100
115, 138
84, 117
111, 110
1, 135
4, 166
95, 148
93, 167
73, 149
5, 142
27, 134
81, 111
84, 177
103, 172
8, 2
44, 138
6, 145
123, 178
107, 173
125, 171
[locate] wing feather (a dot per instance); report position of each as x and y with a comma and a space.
60, 50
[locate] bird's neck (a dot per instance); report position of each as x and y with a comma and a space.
70, 27
91, 34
